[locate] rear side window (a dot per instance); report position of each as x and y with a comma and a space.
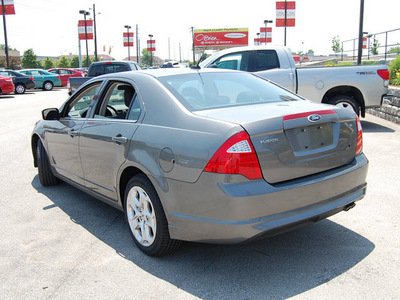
266, 60
115, 68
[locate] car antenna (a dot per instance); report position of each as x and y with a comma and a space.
197, 66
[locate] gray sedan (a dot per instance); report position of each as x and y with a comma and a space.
211, 156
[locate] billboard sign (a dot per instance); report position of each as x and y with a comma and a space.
220, 38
128, 42
8, 7
89, 29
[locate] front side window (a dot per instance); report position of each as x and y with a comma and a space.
234, 61
79, 107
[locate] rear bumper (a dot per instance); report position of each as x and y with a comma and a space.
232, 212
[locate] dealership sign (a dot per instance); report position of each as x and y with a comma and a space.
265, 35
151, 45
8, 7
89, 29
285, 10
226, 37
128, 40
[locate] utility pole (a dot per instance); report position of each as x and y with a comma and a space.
95, 33
194, 58
360, 33
5, 35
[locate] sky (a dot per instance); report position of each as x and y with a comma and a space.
49, 27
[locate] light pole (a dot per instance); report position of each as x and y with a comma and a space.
95, 32
266, 23
129, 53
151, 50
86, 13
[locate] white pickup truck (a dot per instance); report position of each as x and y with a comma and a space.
354, 87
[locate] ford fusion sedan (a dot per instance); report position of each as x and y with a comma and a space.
212, 156
43, 79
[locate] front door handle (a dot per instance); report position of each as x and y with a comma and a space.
73, 133
119, 139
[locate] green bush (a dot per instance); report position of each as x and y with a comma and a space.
394, 69
345, 63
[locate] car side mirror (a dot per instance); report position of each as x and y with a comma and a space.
50, 114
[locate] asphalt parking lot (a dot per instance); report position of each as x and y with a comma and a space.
58, 243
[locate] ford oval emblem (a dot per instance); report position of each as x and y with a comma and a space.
314, 118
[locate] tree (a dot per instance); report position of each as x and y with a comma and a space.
29, 59
15, 62
374, 46
3, 47
84, 61
336, 44
63, 62
48, 63
74, 63
146, 57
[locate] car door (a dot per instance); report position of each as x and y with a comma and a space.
38, 78
62, 136
267, 64
105, 137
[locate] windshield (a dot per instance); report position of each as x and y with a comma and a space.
200, 91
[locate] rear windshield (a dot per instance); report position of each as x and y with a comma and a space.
200, 91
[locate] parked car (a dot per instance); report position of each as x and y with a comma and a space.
209, 155
352, 87
65, 74
102, 67
43, 79
6, 85
21, 81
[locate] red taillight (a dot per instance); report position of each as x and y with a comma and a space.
384, 73
31, 78
236, 156
359, 137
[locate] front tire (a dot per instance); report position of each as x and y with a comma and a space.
346, 102
46, 176
146, 218
48, 86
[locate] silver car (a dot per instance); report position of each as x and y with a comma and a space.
213, 156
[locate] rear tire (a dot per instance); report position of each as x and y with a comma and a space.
146, 218
46, 176
47, 86
347, 102
20, 89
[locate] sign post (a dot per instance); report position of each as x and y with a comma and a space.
128, 40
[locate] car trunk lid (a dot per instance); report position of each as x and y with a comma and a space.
295, 139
